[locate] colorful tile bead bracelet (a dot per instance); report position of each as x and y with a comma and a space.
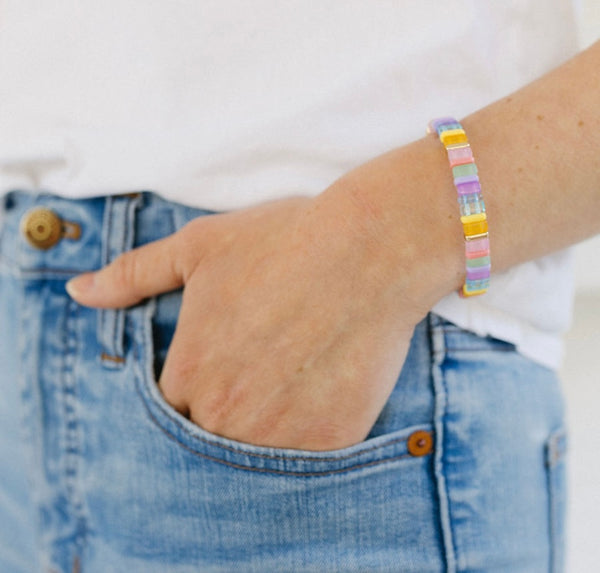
472, 208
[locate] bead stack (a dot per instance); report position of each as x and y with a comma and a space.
472, 208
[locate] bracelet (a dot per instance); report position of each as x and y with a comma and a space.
472, 208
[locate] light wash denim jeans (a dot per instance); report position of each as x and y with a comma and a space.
463, 471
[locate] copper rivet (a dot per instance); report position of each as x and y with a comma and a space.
42, 228
420, 443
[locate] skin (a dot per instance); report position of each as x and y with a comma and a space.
297, 314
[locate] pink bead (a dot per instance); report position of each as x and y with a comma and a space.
477, 248
460, 155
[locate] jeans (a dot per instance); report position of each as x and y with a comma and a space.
463, 471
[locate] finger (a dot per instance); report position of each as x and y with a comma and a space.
146, 271
184, 365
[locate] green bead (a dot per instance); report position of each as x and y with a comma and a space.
478, 262
464, 170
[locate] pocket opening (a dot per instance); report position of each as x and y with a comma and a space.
367, 455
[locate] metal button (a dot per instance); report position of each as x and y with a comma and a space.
42, 228
420, 443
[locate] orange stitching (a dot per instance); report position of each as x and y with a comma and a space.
115, 359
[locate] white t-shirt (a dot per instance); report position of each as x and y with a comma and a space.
225, 103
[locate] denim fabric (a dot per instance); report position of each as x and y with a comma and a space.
99, 474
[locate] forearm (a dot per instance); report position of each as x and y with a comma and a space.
538, 154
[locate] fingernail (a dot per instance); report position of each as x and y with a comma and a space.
79, 285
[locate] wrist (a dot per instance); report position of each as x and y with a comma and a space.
403, 204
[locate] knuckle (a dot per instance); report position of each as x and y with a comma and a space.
128, 272
219, 407
123, 269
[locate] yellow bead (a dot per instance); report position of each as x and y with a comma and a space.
453, 136
476, 217
474, 224
475, 228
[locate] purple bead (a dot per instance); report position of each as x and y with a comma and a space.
478, 273
466, 179
467, 187
435, 124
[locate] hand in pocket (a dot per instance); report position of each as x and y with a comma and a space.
291, 332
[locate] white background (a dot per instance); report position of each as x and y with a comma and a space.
581, 379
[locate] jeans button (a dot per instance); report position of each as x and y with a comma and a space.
42, 228
420, 443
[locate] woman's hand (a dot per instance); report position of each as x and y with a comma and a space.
293, 326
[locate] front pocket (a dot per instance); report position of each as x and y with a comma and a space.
556, 448
408, 443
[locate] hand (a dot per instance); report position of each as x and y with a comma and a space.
291, 332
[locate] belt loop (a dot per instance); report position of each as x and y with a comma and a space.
118, 236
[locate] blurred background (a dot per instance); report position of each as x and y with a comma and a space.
581, 380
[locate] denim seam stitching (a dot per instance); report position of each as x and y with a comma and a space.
118, 215
73, 444
105, 232
438, 351
555, 454
452, 539
46, 273
467, 349
271, 470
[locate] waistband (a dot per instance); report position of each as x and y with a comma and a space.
92, 231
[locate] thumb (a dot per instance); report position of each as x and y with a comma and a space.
146, 271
